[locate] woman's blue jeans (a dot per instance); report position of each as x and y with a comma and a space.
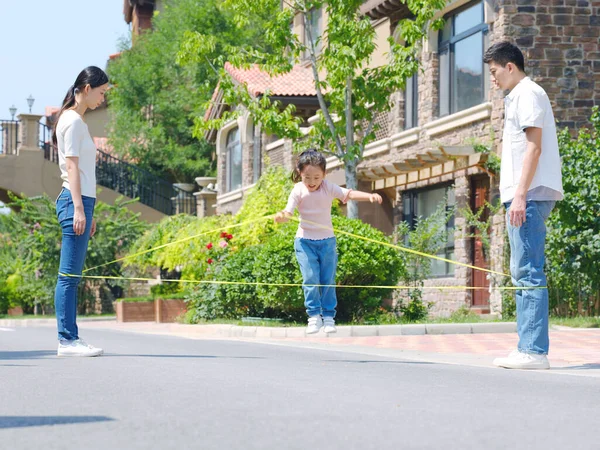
318, 263
527, 259
72, 258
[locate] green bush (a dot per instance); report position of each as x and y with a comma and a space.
276, 263
263, 251
229, 301
364, 263
573, 239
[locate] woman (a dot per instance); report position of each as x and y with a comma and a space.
75, 203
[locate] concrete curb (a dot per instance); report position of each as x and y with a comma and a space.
236, 331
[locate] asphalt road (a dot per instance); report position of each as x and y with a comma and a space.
160, 392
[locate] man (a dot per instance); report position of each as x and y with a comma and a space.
530, 184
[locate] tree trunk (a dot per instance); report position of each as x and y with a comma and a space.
351, 183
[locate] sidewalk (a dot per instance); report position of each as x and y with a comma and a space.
573, 351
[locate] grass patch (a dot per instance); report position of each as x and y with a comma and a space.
576, 322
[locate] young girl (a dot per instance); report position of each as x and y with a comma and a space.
76, 201
315, 242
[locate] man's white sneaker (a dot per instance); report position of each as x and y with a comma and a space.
329, 325
520, 360
314, 324
78, 348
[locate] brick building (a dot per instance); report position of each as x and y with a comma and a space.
424, 153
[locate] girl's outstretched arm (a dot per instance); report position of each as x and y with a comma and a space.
365, 197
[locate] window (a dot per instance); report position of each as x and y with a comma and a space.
256, 157
461, 43
411, 103
234, 160
314, 19
420, 204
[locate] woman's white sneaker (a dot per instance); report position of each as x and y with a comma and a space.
520, 360
314, 324
78, 348
329, 325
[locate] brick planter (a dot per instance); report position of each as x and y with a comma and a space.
157, 310
16, 311
168, 310
135, 311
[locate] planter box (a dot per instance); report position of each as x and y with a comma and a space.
157, 310
168, 310
16, 311
135, 311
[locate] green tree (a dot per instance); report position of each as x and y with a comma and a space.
350, 95
154, 100
30, 243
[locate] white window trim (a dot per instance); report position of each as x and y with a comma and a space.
233, 195
459, 119
275, 144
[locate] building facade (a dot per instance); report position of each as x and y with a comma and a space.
425, 152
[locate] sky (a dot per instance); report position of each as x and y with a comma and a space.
45, 44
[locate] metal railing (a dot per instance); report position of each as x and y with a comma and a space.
131, 181
9, 137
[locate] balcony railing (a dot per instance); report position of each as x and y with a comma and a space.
131, 181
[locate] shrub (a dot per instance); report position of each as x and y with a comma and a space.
211, 300
573, 240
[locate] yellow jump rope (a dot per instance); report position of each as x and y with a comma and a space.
258, 283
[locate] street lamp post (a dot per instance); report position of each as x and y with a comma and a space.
30, 101
13, 111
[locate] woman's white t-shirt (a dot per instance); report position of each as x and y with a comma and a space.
74, 140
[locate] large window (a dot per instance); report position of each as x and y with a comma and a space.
315, 25
461, 44
420, 204
411, 103
256, 156
234, 160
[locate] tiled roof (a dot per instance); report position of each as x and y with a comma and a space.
296, 83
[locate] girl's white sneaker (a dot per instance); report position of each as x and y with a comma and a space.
329, 325
315, 323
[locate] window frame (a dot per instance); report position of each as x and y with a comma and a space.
414, 113
229, 148
412, 195
448, 45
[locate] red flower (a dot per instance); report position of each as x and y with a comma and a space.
209, 245
223, 234
230, 236
210, 261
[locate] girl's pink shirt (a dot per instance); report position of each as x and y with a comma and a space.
315, 207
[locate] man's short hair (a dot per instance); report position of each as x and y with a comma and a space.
504, 52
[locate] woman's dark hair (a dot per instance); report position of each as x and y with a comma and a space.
308, 157
504, 52
91, 75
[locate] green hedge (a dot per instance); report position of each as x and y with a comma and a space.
264, 251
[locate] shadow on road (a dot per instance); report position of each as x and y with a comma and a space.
31, 354
120, 355
36, 421
374, 361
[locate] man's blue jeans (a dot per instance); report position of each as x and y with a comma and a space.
72, 257
318, 263
527, 259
